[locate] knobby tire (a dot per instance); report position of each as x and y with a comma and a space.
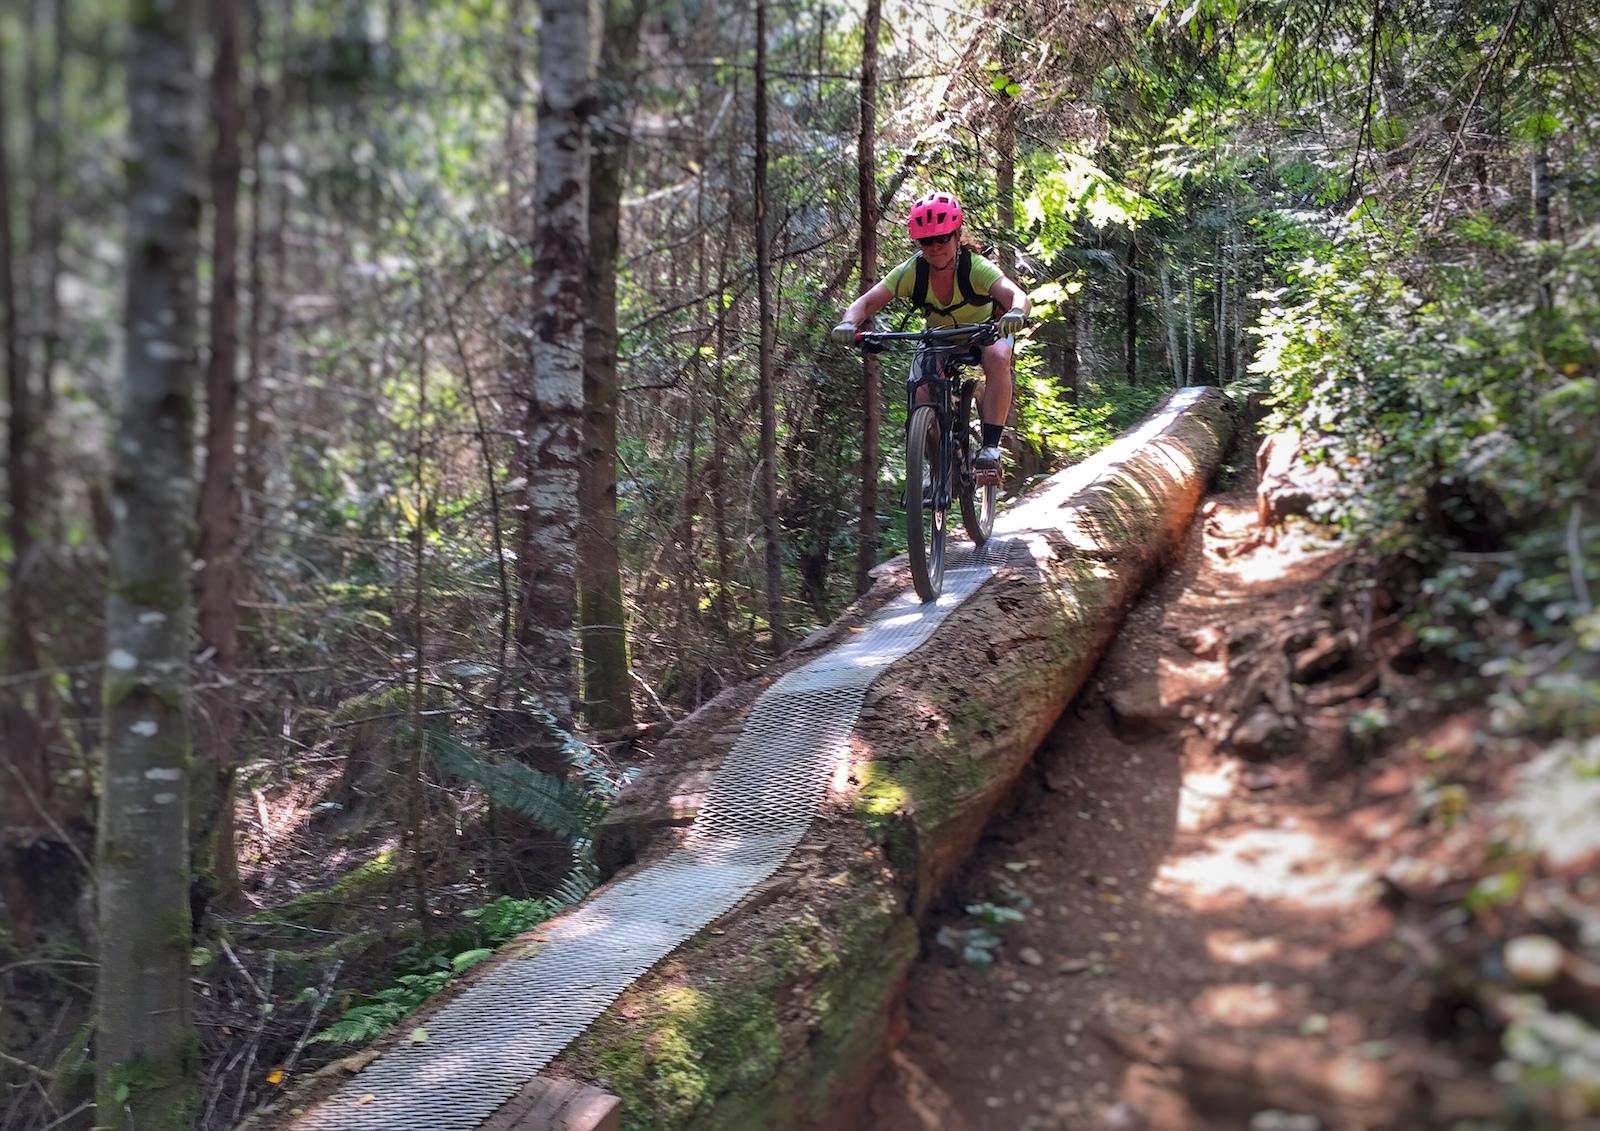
925, 522
977, 503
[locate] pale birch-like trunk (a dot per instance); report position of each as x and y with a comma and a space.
553, 429
1222, 310
1188, 357
871, 372
768, 367
1170, 316
147, 1054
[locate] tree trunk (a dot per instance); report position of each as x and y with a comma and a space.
22, 648
1005, 163
768, 374
1170, 316
217, 594
25, 774
1541, 191
1188, 356
871, 371
607, 685
1221, 311
1133, 310
146, 1047
414, 850
49, 157
553, 431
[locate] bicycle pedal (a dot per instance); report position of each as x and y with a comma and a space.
987, 477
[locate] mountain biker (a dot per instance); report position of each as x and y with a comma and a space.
954, 286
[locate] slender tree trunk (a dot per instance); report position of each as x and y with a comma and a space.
146, 1048
768, 375
416, 856
1005, 162
22, 648
1133, 310
1222, 310
1170, 316
50, 161
1188, 356
721, 534
553, 432
607, 684
1238, 317
21, 744
871, 371
217, 592
1541, 191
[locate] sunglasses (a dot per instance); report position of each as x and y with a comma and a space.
935, 241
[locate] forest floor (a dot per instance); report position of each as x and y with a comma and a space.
1208, 940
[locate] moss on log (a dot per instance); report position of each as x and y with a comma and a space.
782, 1013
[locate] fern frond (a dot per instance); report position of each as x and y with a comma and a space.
555, 804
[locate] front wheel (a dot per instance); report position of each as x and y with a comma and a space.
978, 499
925, 506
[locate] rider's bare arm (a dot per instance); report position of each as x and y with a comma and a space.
862, 310
1010, 296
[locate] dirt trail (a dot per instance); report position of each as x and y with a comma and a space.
1205, 941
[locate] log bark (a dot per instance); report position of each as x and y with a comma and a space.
796, 989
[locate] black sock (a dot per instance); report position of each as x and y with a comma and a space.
991, 435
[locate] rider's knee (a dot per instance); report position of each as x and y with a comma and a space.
998, 351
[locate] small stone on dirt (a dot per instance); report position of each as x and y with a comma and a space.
1274, 1120
1205, 642
1121, 1116
1257, 780
1534, 960
1260, 735
1030, 956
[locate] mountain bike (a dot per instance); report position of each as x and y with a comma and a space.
943, 436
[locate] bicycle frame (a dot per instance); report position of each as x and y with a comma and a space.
936, 379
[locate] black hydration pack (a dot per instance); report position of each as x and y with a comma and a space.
965, 295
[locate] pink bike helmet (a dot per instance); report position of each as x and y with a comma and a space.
935, 214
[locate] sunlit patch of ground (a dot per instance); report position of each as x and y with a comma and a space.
1293, 867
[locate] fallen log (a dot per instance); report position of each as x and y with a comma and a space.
782, 1013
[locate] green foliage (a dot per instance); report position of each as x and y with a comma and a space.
558, 805
506, 918
1461, 411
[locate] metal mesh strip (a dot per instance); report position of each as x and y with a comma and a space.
486, 1044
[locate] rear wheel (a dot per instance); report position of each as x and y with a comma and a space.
978, 499
925, 510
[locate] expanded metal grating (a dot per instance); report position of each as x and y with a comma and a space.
484, 1046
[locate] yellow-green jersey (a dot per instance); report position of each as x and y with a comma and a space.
970, 302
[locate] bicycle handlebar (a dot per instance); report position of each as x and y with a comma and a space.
868, 339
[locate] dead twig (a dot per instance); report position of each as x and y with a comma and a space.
239, 966
654, 698
316, 1012
255, 1043
15, 1062
33, 799
79, 1110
